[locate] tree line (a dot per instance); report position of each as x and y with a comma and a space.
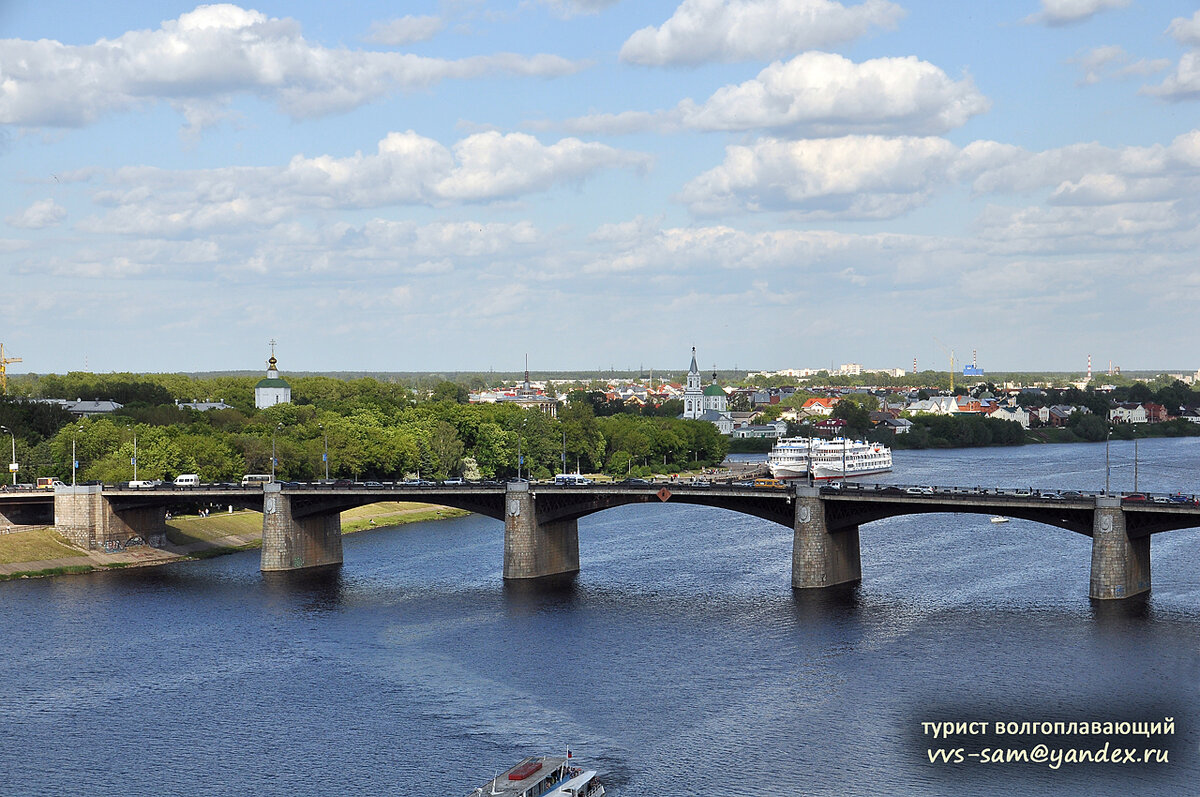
370, 430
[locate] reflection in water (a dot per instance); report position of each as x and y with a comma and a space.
530, 595
1118, 613
831, 602
317, 588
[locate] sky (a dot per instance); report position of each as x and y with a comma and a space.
451, 185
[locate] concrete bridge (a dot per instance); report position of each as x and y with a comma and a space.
302, 523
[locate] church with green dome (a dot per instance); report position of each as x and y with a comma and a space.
273, 389
705, 403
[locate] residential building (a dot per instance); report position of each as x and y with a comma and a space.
1128, 412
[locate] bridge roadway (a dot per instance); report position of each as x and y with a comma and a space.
302, 524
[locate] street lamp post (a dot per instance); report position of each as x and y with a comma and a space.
326, 454
1107, 461
1135, 458
278, 426
135, 478
74, 461
12, 467
520, 459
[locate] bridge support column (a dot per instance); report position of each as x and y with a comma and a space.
290, 543
533, 549
85, 517
821, 558
1120, 565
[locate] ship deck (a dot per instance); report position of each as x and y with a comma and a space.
515, 788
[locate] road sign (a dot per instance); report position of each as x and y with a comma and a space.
13, 467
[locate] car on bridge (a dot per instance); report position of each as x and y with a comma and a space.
1134, 498
919, 491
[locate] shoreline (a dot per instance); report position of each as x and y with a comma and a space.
193, 538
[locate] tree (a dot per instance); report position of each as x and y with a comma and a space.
450, 391
739, 402
856, 416
447, 448
1088, 426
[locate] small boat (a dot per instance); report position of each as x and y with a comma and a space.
999, 519
543, 776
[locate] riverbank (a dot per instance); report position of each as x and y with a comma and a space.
40, 551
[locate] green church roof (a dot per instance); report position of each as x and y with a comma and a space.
714, 390
272, 383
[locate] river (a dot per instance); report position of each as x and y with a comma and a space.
678, 662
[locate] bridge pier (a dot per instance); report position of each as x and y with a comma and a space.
295, 543
1120, 565
533, 549
85, 517
821, 558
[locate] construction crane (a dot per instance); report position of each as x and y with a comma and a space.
4, 361
951, 353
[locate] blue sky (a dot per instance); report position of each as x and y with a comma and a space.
600, 183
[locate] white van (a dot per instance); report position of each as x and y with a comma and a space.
254, 479
571, 479
187, 480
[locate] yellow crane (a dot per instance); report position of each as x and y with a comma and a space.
4, 361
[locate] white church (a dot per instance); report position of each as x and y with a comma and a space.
272, 390
705, 403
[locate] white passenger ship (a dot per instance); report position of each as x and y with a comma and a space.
543, 776
792, 457
789, 458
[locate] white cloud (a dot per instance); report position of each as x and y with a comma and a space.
617, 124
406, 169
750, 30
1112, 61
1184, 83
43, 213
570, 8
874, 177
405, 30
215, 52
1086, 173
1186, 31
1129, 227
822, 94
1066, 12
814, 95
848, 177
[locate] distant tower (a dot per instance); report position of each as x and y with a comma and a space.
272, 390
1089, 368
914, 365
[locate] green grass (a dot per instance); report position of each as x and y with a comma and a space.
408, 513
190, 529
50, 571
36, 545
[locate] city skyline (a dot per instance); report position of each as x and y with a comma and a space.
781, 183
